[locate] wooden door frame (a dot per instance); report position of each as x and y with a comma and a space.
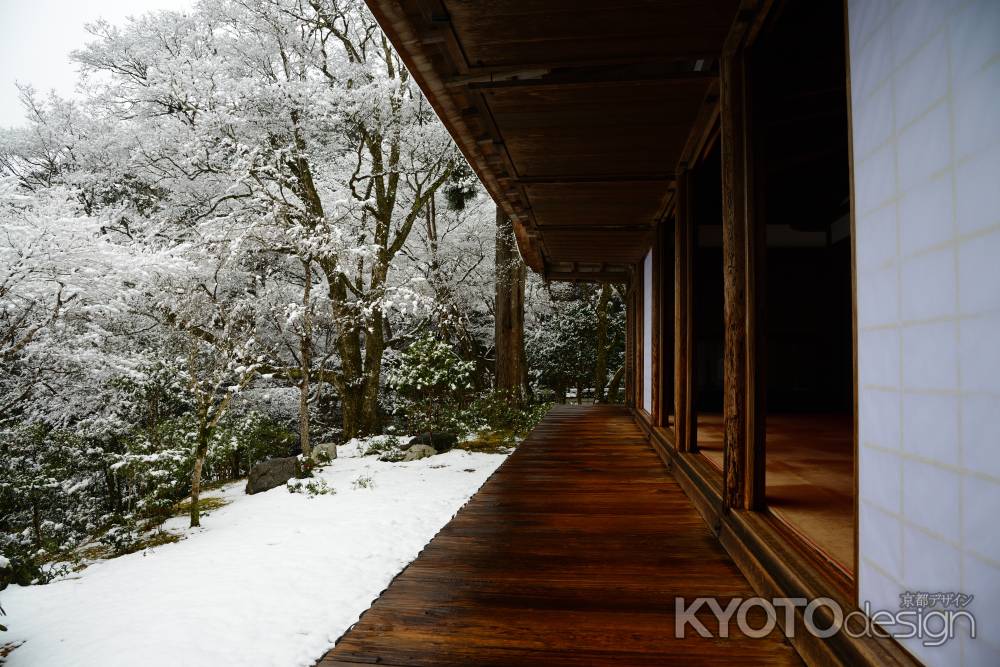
663, 304
744, 265
685, 427
776, 562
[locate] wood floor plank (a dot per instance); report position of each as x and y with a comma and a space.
571, 554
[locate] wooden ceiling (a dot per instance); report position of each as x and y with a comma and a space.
575, 114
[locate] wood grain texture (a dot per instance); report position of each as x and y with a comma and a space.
665, 320
656, 299
810, 482
683, 320
599, 100
743, 467
572, 553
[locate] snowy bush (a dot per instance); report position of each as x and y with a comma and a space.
61, 489
432, 380
310, 487
387, 448
51, 496
497, 411
363, 482
242, 441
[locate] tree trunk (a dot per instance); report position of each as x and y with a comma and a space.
370, 418
199, 462
371, 421
601, 367
36, 522
350, 408
360, 363
153, 415
114, 490
526, 381
509, 320
615, 384
305, 354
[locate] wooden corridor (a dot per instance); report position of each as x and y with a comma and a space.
572, 553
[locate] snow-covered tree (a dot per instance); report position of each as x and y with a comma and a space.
296, 123
565, 341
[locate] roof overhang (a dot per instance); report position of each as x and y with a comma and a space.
574, 114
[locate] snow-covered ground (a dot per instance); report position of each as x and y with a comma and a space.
270, 579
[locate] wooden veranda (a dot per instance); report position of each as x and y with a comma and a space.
676, 148
572, 553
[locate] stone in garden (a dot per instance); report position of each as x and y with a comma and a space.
442, 442
419, 452
324, 452
271, 474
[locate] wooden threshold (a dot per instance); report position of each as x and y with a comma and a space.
776, 563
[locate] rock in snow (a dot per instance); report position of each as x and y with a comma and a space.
271, 580
416, 452
271, 474
442, 442
324, 452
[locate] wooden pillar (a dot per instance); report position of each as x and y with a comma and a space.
655, 413
665, 322
630, 316
684, 416
511, 272
743, 465
639, 325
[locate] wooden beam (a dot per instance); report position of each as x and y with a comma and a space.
756, 265
639, 72
743, 464
608, 178
428, 69
497, 77
591, 227
654, 340
684, 417
676, 61
702, 129
598, 278
665, 308
629, 347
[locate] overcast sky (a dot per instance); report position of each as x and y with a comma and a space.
36, 37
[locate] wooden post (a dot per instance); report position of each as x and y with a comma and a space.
665, 320
509, 311
685, 428
690, 243
743, 464
655, 414
638, 322
629, 343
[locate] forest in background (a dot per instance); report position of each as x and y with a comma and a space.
248, 235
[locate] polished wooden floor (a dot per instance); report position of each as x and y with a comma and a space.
571, 554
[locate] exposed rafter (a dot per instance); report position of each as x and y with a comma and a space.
540, 113
609, 178
679, 72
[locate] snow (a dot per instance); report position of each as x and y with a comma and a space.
270, 579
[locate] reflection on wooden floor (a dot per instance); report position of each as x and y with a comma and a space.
571, 554
810, 476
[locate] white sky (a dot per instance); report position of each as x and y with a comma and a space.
36, 37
